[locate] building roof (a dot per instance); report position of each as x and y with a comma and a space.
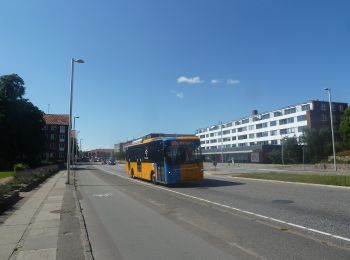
56, 119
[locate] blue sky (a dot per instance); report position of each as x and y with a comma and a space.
143, 58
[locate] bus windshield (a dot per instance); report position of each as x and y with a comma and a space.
179, 152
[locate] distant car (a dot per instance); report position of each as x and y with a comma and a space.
104, 161
111, 162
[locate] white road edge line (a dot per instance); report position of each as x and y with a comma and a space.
232, 208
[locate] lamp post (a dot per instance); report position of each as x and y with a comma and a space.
81, 149
74, 141
70, 117
222, 143
331, 115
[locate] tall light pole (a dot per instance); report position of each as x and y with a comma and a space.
81, 149
331, 115
70, 117
74, 139
222, 143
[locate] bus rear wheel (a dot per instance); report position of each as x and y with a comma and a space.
153, 178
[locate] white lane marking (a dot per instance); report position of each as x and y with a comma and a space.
232, 208
275, 181
102, 195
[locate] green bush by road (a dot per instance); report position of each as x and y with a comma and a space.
293, 177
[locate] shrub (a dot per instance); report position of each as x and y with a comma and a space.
20, 167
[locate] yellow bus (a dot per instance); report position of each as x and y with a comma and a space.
167, 160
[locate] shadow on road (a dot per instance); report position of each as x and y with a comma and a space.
207, 183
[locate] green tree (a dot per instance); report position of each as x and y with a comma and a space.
275, 156
21, 124
344, 128
292, 151
319, 142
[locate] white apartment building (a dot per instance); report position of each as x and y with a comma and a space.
267, 128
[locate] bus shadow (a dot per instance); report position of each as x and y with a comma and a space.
206, 183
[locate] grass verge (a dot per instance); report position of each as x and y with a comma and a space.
293, 177
5, 174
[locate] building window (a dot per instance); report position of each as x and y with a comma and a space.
324, 117
262, 134
226, 139
323, 106
301, 118
52, 146
61, 155
251, 136
207, 141
241, 137
52, 137
226, 132
233, 131
62, 129
207, 135
213, 141
289, 110
283, 131
277, 113
53, 128
234, 138
229, 124
265, 116
252, 143
62, 138
242, 144
61, 146
237, 123
274, 132
259, 126
211, 134
201, 136
341, 108
274, 142
256, 119
305, 107
251, 127
301, 129
242, 129
245, 121
234, 145
273, 123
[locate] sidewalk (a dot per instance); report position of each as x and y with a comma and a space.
31, 232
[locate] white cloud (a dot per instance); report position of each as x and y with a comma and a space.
180, 94
194, 80
232, 81
214, 81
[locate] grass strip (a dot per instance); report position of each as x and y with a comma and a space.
293, 177
5, 174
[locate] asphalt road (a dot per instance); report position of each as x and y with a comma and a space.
219, 218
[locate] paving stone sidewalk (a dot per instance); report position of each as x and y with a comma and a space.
31, 232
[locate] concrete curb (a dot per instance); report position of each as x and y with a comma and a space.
84, 234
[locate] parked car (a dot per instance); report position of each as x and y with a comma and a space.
111, 162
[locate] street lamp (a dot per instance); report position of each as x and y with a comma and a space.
222, 143
331, 115
81, 149
74, 139
70, 116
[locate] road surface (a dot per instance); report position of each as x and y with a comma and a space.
219, 218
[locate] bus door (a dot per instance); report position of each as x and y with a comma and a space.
139, 165
160, 173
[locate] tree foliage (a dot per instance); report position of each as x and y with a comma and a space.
21, 124
319, 142
344, 128
292, 151
275, 156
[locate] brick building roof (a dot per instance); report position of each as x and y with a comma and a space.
56, 119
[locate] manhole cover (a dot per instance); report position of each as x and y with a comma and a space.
282, 201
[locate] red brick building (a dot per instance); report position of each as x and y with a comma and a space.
56, 136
